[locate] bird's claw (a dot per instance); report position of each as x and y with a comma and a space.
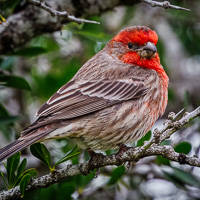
94, 162
129, 164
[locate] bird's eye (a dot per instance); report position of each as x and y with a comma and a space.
130, 45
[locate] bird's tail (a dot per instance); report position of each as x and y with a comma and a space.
22, 143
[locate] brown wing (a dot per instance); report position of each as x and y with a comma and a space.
76, 99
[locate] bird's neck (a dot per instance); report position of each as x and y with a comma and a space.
152, 63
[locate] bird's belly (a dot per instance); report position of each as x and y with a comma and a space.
107, 129
128, 125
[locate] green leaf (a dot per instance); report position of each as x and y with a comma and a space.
186, 177
14, 81
162, 161
68, 156
24, 182
3, 111
183, 147
181, 177
171, 177
11, 167
30, 51
8, 120
4, 179
117, 173
21, 167
82, 181
40, 151
46, 42
30, 171
143, 139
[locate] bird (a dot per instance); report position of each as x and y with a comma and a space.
114, 99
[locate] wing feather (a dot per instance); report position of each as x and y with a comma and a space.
78, 99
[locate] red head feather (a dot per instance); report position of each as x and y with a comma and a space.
139, 35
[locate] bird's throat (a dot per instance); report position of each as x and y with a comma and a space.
135, 59
150, 63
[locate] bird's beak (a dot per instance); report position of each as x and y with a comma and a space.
148, 51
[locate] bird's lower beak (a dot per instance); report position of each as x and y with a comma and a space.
148, 51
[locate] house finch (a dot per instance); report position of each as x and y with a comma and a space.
114, 99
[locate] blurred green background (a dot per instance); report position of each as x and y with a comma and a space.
34, 72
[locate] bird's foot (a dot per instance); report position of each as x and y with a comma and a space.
95, 158
94, 162
129, 164
122, 148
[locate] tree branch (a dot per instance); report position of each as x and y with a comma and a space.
152, 148
30, 22
65, 14
172, 125
164, 4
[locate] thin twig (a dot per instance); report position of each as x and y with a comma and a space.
132, 154
164, 4
65, 14
171, 126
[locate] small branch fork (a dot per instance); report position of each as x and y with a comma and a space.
65, 14
164, 4
175, 122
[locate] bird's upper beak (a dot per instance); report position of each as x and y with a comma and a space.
148, 50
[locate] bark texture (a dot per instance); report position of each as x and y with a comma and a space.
32, 21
